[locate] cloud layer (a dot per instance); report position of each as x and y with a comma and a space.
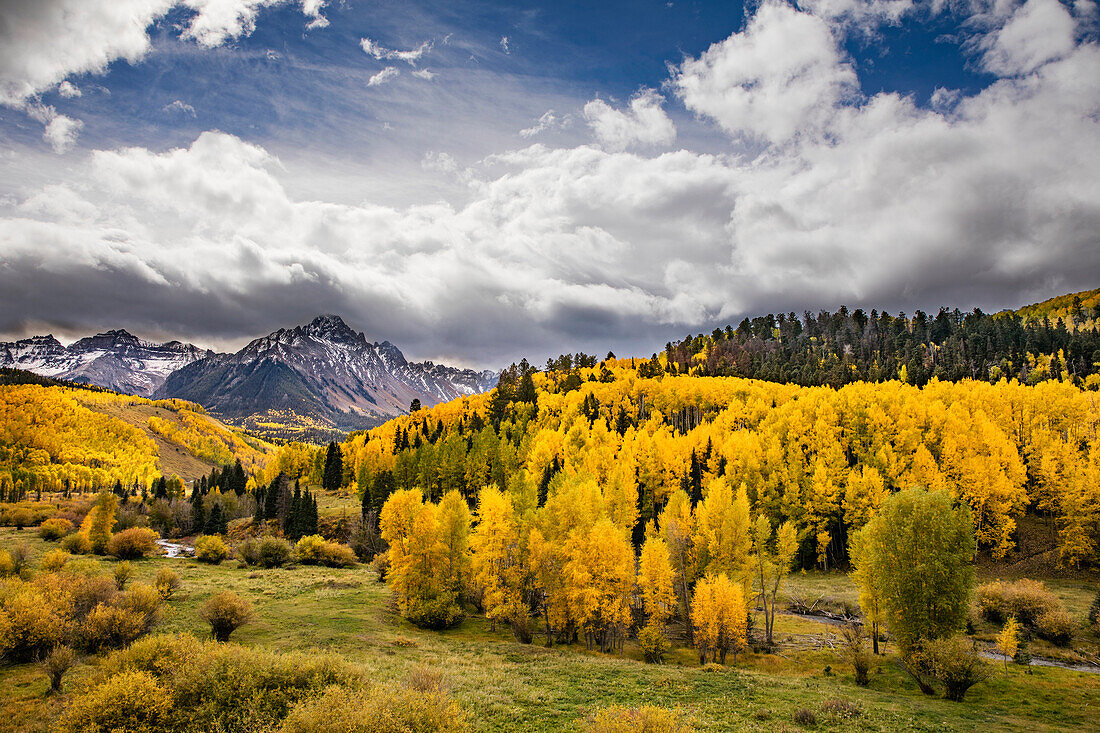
825, 195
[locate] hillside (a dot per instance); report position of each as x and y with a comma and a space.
53, 437
849, 346
820, 457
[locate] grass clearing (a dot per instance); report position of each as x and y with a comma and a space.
514, 687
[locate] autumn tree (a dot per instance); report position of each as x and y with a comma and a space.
773, 562
719, 614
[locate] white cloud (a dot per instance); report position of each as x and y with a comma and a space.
505, 45
179, 107
68, 90
1039, 32
61, 133
778, 78
424, 74
46, 41
383, 76
411, 57
544, 123
645, 123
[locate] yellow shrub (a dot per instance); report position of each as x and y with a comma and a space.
7, 567
643, 719
314, 550
382, 709
77, 543
133, 543
36, 621
111, 626
53, 561
210, 549
130, 702
225, 612
55, 529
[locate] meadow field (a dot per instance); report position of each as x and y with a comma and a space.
507, 686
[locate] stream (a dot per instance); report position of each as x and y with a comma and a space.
995, 656
176, 549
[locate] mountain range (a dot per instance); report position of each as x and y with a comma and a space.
323, 372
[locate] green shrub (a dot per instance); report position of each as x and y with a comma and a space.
55, 529
210, 549
129, 702
805, 717
53, 561
957, 666
225, 612
1025, 599
133, 543
315, 550
77, 543
381, 709
266, 552
21, 518
1057, 627
642, 719
654, 643
434, 612
166, 582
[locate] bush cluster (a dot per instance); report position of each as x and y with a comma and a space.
315, 550
1025, 599
73, 609
642, 719
654, 643
178, 683
225, 612
266, 552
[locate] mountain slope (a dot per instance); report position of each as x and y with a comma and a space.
323, 370
116, 360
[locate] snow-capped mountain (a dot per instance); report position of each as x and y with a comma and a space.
116, 359
323, 369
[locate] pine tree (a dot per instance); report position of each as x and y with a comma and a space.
333, 477
198, 512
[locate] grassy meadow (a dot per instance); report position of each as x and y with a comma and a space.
512, 687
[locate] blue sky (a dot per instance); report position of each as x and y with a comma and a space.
610, 176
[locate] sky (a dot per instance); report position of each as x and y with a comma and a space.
483, 181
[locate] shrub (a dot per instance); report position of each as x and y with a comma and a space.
1057, 627
854, 651
841, 709
1094, 610
77, 543
55, 529
653, 642
123, 572
143, 600
32, 624
805, 717
21, 518
642, 719
20, 558
166, 582
56, 664
315, 550
1025, 599
225, 612
381, 565
210, 549
437, 612
109, 626
381, 709
7, 566
53, 561
129, 702
266, 552
86, 591
133, 543
957, 666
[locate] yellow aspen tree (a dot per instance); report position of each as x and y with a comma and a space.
678, 531
600, 575
454, 528
772, 564
493, 542
655, 579
719, 614
1008, 641
725, 531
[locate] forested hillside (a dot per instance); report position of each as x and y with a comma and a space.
1040, 342
54, 438
623, 446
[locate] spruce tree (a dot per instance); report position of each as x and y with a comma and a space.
333, 476
198, 513
215, 521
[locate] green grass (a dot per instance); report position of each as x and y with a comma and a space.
514, 687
